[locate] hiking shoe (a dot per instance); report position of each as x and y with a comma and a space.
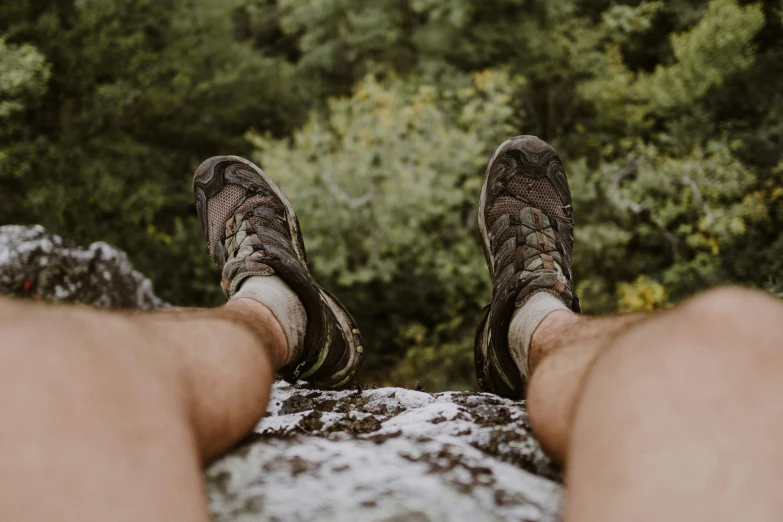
251, 229
526, 224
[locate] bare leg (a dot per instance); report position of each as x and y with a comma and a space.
675, 416
111, 417
563, 348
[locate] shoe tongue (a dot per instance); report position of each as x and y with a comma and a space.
261, 200
543, 241
227, 216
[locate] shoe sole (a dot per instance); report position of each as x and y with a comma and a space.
505, 146
356, 359
481, 342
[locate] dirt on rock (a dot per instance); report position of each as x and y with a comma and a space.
388, 454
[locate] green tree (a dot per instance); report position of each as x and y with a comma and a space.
378, 118
140, 93
669, 196
23, 76
670, 192
386, 184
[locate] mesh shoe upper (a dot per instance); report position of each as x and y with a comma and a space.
251, 229
526, 222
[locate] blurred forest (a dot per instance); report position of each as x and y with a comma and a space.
377, 119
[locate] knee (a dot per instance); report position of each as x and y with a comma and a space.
733, 316
722, 332
12, 311
729, 303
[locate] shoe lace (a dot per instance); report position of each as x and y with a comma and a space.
257, 223
548, 247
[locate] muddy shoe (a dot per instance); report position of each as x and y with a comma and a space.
526, 224
251, 229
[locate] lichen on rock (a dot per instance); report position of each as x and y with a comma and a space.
386, 454
39, 265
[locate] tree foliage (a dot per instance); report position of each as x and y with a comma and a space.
377, 118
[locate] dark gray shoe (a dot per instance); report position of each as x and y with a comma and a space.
526, 223
251, 229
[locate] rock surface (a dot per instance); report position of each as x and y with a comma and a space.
387, 454
40, 265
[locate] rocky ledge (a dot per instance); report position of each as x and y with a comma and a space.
40, 265
386, 454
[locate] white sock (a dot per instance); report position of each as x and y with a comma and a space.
525, 321
273, 293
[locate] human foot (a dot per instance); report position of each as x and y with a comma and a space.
252, 232
526, 224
